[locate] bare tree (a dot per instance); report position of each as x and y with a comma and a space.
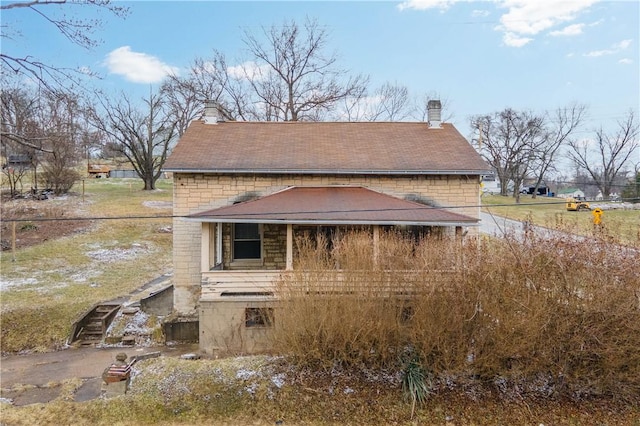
291, 77
143, 137
44, 129
78, 31
560, 127
61, 120
208, 80
605, 157
631, 191
48, 77
389, 102
509, 141
422, 109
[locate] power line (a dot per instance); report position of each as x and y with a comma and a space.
426, 207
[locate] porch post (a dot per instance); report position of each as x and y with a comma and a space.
459, 232
376, 243
218, 243
205, 242
289, 247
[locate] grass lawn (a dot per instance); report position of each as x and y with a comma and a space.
46, 286
619, 225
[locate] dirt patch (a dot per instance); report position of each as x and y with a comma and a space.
38, 221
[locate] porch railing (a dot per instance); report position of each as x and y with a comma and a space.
224, 283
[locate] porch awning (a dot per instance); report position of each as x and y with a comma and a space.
333, 205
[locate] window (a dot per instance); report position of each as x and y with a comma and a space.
246, 241
258, 317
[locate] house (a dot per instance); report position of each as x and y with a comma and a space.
571, 193
243, 191
490, 185
614, 196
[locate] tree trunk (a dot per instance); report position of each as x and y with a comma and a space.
149, 183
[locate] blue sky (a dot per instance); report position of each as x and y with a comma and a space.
481, 56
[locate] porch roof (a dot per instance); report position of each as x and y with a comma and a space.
334, 205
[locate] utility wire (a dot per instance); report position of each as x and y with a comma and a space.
425, 207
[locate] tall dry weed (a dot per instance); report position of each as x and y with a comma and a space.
563, 308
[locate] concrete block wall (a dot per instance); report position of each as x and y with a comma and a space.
198, 192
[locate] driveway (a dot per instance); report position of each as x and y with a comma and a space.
37, 377
500, 226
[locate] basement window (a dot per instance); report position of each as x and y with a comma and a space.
406, 314
258, 317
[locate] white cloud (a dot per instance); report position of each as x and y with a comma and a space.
137, 67
477, 13
623, 44
249, 70
523, 19
615, 48
625, 61
513, 40
426, 4
530, 17
571, 30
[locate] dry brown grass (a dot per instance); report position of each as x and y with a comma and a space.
545, 316
55, 278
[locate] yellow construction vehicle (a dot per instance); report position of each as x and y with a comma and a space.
575, 205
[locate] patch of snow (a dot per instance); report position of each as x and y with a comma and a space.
158, 204
84, 276
279, 380
47, 288
9, 284
138, 324
6, 401
244, 374
117, 254
252, 388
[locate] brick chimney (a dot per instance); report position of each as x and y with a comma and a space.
434, 108
211, 112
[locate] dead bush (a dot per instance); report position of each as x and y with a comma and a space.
564, 309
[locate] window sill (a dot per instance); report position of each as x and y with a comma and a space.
246, 262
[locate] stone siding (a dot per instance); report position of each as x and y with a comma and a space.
198, 192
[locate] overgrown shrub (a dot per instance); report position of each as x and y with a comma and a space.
59, 179
564, 309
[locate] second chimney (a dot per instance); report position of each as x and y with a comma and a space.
211, 112
434, 109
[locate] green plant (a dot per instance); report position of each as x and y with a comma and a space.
416, 383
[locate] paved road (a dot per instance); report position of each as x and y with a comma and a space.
500, 226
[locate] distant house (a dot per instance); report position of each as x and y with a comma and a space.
243, 192
570, 193
490, 185
19, 160
613, 196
